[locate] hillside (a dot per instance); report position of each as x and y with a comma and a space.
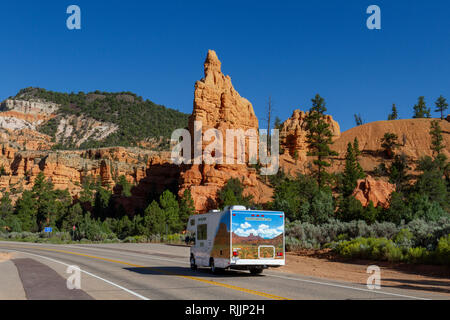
92, 120
413, 136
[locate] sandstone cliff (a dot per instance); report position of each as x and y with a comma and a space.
218, 105
413, 136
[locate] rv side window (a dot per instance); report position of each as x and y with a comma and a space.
192, 222
202, 232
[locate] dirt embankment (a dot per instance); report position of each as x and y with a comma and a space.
324, 264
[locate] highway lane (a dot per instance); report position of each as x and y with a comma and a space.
155, 271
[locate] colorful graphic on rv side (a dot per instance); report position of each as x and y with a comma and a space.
257, 235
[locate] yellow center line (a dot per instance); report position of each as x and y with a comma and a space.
224, 285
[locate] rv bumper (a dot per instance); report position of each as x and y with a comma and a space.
258, 262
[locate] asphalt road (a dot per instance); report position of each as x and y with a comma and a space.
159, 272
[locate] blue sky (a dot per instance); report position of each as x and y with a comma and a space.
289, 50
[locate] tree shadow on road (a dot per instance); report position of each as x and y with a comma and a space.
422, 285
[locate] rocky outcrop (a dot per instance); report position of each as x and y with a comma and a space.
148, 171
413, 137
218, 105
293, 134
376, 191
27, 116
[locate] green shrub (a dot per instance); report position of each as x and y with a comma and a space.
384, 249
443, 250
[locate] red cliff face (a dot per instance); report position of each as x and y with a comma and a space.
376, 191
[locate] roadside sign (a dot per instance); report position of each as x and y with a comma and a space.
48, 229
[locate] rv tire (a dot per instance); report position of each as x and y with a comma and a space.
214, 270
256, 270
193, 265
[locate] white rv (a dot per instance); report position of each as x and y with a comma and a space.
237, 238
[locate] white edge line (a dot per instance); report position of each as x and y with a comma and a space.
271, 275
88, 273
348, 287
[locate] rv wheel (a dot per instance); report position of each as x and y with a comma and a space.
256, 270
193, 265
213, 267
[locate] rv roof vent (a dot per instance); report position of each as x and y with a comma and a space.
214, 210
238, 208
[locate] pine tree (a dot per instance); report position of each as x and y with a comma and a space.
154, 219
6, 207
441, 106
26, 210
389, 143
319, 138
171, 208
124, 186
394, 114
187, 207
358, 119
421, 110
398, 172
278, 124
352, 171
436, 137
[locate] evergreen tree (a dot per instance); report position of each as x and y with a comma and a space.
154, 219
436, 138
169, 205
232, 194
124, 186
394, 114
389, 143
26, 211
431, 182
441, 106
358, 119
44, 198
319, 138
87, 193
421, 110
398, 172
6, 207
102, 202
73, 218
352, 171
278, 124
187, 208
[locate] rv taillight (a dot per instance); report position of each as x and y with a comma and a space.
235, 253
280, 254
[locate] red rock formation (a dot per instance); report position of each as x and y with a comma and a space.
218, 105
377, 191
293, 134
413, 136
